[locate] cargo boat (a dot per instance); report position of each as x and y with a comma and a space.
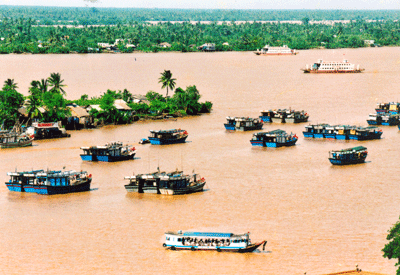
210, 241
49, 182
284, 50
348, 156
316, 130
174, 183
276, 138
45, 130
114, 151
243, 124
165, 137
332, 67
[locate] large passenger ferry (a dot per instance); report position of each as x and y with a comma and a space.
332, 67
284, 50
221, 242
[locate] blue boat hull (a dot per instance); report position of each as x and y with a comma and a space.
345, 162
48, 189
230, 127
272, 144
266, 118
157, 141
308, 134
106, 158
318, 135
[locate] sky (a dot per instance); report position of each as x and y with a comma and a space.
218, 4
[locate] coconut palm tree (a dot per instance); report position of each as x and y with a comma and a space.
34, 100
167, 80
55, 82
11, 84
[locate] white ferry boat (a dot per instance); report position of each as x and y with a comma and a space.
221, 242
332, 67
284, 50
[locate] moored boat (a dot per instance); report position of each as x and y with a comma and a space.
390, 107
49, 182
315, 130
164, 137
243, 124
332, 67
365, 133
387, 119
296, 116
284, 50
343, 131
14, 140
114, 151
174, 183
348, 156
211, 241
45, 130
276, 138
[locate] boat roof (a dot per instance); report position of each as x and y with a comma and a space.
358, 148
206, 234
166, 131
272, 133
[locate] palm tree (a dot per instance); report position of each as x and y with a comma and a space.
55, 83
34, 100
11, 84
43, 85
167, 80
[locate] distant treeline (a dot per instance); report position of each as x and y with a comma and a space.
113, 16
21, 32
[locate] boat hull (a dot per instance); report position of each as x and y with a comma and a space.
346, 162
278, 120
106, 158
181, 191
295, 120
157, 141
48, 189
265, 118
331, 72
24, 143
272, 144
247, 249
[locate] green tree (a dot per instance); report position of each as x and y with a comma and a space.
167, 80
55, 82
392, 248
34, 101
10, 102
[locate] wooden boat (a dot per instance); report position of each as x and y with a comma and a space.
110, 152
46, 130
332, 67
49, 182
342, 132
164, 137
243, 124
174, 183
390, 107
315, 130
348, 156
210, 241
296, 117
284, 116
14, 140
365, 133
276, 138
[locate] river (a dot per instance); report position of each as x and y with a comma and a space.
317, 218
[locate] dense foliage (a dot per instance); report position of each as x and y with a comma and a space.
21, 29
114, 16
392, 249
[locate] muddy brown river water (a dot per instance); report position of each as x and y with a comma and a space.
317, 218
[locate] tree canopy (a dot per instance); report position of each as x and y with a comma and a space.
392, 248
